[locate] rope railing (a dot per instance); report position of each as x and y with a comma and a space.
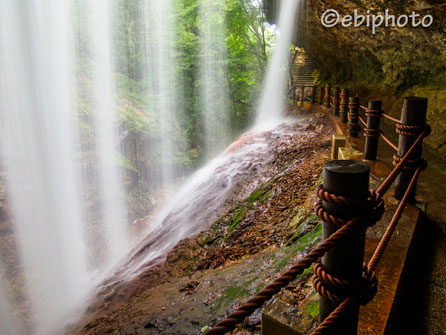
389, 142
390, 118
387, 116
358, 214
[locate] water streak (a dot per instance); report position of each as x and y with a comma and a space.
38, 140
162, 82
272, 104
213, 77
114, 216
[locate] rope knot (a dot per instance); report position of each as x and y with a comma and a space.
411, 164
369, 132
374, 112
337, 290
369, 285
371, 208
413, 131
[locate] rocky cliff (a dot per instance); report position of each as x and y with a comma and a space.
392, 63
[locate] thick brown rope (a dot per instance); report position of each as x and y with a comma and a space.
389, 142
335, 316
369, 132
390, 118
374, 112
391, 228
392, 176
374, 206
362, 121
337, 290
264, 295
411, 165
411, 131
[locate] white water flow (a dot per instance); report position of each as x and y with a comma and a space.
197, 202
272, 104
8, 322
162, 86
200, 201
213, 77
38, 139
39, 143
113, 210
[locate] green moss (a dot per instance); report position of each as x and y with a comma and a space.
312, 307
300, 244
230, 295
259, 195
235, 293
266, 196
236, 219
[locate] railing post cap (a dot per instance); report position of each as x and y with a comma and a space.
348, 178
414, 98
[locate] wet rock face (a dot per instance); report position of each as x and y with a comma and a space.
392, 63
399, 57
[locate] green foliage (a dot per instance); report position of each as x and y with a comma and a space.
247, 42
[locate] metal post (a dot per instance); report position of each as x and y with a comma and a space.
321, 96
372, 131
302, 93
293, 91
313, 94
336, 100
413, 114
327, 95
344, 260
353, 126
344, 105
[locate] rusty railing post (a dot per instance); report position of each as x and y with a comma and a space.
344, 105
372, 131
344, 260
353, 120
413, 115
321, 95
313, 94
327, 95
293, 93
336, 100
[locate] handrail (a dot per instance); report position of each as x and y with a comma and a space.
407, 162
345, 230
389, 142
390, 118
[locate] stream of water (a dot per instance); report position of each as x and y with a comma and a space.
40, 146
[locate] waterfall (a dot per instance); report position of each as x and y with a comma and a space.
113, 213
38, 141
213, 77
7, 320
162, 86
59, 83
272, 104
